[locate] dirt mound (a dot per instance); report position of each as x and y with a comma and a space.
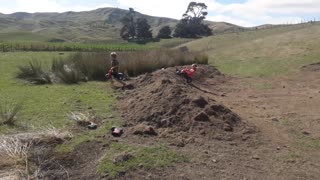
312, 67
166, 102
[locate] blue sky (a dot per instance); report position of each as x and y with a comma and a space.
241, 12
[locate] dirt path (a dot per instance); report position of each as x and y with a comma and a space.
277, 136
287, 112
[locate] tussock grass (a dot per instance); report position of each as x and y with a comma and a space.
141, 62
92, 65
34, 73
95, 65
82, 119
69, 75
8, 113
82, 67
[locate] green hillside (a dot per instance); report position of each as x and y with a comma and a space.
100, 25
263, 52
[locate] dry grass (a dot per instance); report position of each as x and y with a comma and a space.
14, 148
17, 149
82, 119
8, 113
84, 66
139, 62
95, 65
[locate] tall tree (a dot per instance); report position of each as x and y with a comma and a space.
128, 31
143, 29
191, 25
165, 32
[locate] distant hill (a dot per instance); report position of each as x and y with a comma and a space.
100, 25
268, 50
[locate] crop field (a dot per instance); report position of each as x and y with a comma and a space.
46, 46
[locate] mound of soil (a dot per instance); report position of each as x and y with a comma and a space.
166, 102
312, 67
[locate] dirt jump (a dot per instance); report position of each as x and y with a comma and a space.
165, 102
225, 128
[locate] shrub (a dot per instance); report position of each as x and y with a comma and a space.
34, 73
82, 66
69, 75
92, 65
139, 62
8, 113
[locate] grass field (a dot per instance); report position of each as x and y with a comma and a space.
262, 53
49, 104
26, 42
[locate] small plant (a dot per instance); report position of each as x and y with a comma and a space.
34, 73
8, 113
82, 119
69, 75
92, 65
16, 150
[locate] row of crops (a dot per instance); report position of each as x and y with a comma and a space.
45, 46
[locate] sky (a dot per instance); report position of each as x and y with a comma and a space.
241, 12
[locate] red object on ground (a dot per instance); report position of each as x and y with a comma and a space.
189, 72
116, 132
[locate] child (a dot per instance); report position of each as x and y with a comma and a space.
114, 71
187, 73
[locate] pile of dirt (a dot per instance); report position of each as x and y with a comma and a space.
312, 67
164, 101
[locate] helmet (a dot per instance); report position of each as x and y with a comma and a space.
194, 65
113, 54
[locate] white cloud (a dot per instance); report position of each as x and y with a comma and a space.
248, 13
166, 8
223, 18
46, 6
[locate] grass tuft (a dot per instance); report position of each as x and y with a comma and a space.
8, 113
34, 73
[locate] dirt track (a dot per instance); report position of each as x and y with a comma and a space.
274, 124
285, 111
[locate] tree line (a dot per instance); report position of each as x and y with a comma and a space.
190, 26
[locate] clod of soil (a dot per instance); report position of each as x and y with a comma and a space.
202, 117
200, 102
142, 129
312, 67
164, 100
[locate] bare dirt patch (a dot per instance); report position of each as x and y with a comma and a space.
282, 144
164, 101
